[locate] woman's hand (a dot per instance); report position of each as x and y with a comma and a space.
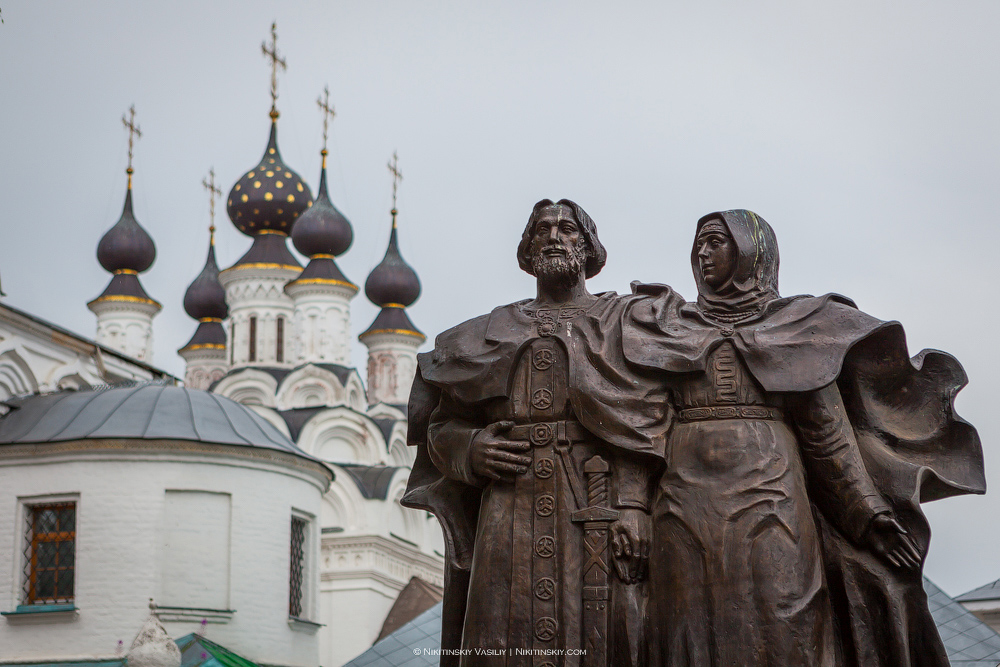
892, 542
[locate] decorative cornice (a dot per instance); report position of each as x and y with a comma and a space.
399, 332
34, 452
124, 298
262, 265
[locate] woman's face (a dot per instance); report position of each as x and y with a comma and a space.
716, 254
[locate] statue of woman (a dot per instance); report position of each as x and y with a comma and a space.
787, 529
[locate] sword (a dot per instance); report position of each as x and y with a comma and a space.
596, 520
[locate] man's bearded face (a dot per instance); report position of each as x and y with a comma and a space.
558, 248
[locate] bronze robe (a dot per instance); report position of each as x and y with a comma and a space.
758, 556
515, 539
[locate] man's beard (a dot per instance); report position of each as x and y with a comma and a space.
560, 270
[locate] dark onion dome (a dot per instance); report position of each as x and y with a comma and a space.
269, 251
126, 250
322, 229
270, 196
209, 335
126, 246
393, 282
125, 286
393, 285
392, 319
206, 298
322, 270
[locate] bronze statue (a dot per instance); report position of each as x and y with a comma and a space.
787, 527
538, 450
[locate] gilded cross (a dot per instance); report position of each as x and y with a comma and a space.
276, 62
133, 134
328, 112
397, 176
213, 192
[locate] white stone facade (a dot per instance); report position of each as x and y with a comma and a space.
392, 363
322, 322
38, 357
371, 545
126, 324
257, 300
126, 551
205, 365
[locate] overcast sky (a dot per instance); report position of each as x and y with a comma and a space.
866, 133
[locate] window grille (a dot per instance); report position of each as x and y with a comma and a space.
49, 553
252, 356
296, 575
280, 352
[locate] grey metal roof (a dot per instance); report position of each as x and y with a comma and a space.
146, 412
413, 645
279, 374
969, 641
990, 591
372, 481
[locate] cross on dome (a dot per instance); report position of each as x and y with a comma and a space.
133, 133
276, 62
213, 192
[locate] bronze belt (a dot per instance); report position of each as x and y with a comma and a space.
545, 433
731, 412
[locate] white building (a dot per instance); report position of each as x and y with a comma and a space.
155, 492
167, 503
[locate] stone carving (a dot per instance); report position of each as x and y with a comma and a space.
152, 646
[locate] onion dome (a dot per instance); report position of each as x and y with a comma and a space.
269, 197
126, 246
206, 298
126, 250
322, 233
322, 229
393, 285
205, 301
393, 282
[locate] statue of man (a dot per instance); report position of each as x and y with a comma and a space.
787, 527
538, 450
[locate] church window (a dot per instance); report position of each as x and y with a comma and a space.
252, 353
49, 553
298, 562
280, 352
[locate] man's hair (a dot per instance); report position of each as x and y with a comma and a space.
596, 254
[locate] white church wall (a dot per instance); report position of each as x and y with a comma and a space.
341, 435
35, 357
122, 512
196, 550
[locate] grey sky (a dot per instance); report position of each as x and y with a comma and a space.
867, 134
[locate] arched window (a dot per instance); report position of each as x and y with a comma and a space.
280, 351
252, 354
232, 342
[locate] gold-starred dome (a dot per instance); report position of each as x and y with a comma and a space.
270, 196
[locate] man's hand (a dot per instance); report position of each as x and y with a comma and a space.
890, 541
494, 456
630, 537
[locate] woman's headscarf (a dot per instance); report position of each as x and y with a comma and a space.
754, 281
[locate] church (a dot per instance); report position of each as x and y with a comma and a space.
247, 513
252, 506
